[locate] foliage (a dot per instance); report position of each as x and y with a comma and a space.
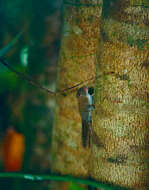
75, 186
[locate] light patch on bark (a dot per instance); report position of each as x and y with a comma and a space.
76, 64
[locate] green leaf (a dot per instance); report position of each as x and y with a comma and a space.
75, 186
8, 81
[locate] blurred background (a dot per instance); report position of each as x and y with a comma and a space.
26, 112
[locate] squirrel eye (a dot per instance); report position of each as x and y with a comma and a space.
91, 90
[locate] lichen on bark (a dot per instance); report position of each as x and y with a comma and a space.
121, 114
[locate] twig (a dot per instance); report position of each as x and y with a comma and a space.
65, 178
81, 4
25, 77
11, 44
79, 84
33, 83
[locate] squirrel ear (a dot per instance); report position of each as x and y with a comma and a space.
91, 90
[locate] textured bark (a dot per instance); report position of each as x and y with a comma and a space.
76, 64
121, 117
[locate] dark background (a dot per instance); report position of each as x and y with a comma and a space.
28, 109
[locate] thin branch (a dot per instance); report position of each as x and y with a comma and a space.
65, 178
25, 77
81, 4
141, 5
76, 85
11, 44
33, 83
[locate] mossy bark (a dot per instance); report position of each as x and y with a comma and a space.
76, 64
121, 117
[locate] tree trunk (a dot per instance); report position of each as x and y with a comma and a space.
43, 58
121, 117
76, 64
